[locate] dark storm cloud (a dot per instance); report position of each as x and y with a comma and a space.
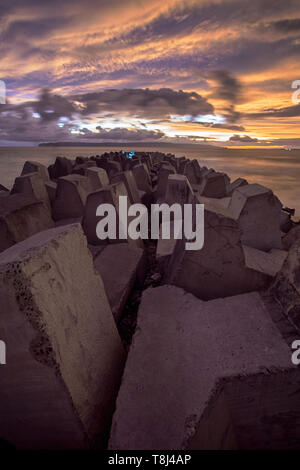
145, 102
52, 107
76, 47
244, 138
21, 126
121, 134
288, 111
288, 25
229, 88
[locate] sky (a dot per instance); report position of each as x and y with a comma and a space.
208, 71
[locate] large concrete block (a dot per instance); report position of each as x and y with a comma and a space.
193, 172
98, 178
164, 172
21, 216
231, 187
142, 178
64, 355
120, 267
80, 169
32, 184
51, 188
206, 375
111, 167
71, 196
35, 167
214, 185
178, 190
286, 286
129, 181
165, 247
108, 195
220, 268
257, 211
61, 167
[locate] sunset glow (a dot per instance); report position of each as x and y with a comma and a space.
218, 72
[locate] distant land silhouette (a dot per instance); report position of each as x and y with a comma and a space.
128, 144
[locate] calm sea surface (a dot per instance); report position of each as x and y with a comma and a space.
276, 169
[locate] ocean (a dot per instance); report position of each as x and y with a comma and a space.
275, 168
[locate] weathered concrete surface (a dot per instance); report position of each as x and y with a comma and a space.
164, 172
81, 168
51, 188
219, 269
21, 216
61, 167
71, 196
165, 247
231, 187
64, 354
269, 263
286, 286
120, 267
258, 213
111, 167
32, 184
108, 195
98, 178
220, 206
128, 179
142, 178
291, 237
189, 355
178, 190
214, 185
192, 171
35, 167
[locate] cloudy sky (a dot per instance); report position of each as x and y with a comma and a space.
214, 71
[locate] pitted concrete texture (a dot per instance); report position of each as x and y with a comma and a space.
21, 216
120, 266
206, 375
65, 357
